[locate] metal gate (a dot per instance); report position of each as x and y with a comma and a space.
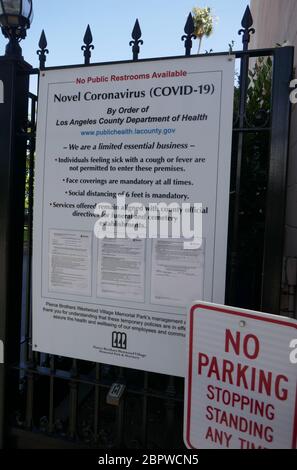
56, 402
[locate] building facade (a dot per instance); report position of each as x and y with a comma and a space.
275, 22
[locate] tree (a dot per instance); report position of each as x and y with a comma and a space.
204, 23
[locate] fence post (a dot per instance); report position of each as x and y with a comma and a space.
277, 179
14, 79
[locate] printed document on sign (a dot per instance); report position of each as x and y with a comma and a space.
177, 274
70, 262
121, 267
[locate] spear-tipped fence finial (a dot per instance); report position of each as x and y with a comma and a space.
43, 50
247, 23
136, 35
88, 46
189, 30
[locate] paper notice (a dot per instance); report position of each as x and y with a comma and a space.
177, 274
121, 267
70, 262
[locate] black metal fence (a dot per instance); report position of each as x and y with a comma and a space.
60, 402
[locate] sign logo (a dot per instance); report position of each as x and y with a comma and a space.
119, 340
1, 92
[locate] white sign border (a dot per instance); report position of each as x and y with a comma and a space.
223, 175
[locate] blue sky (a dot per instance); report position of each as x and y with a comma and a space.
111, 21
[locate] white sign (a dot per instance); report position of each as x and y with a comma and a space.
154, 131
241, 384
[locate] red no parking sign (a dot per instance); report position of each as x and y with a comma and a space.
240, 385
